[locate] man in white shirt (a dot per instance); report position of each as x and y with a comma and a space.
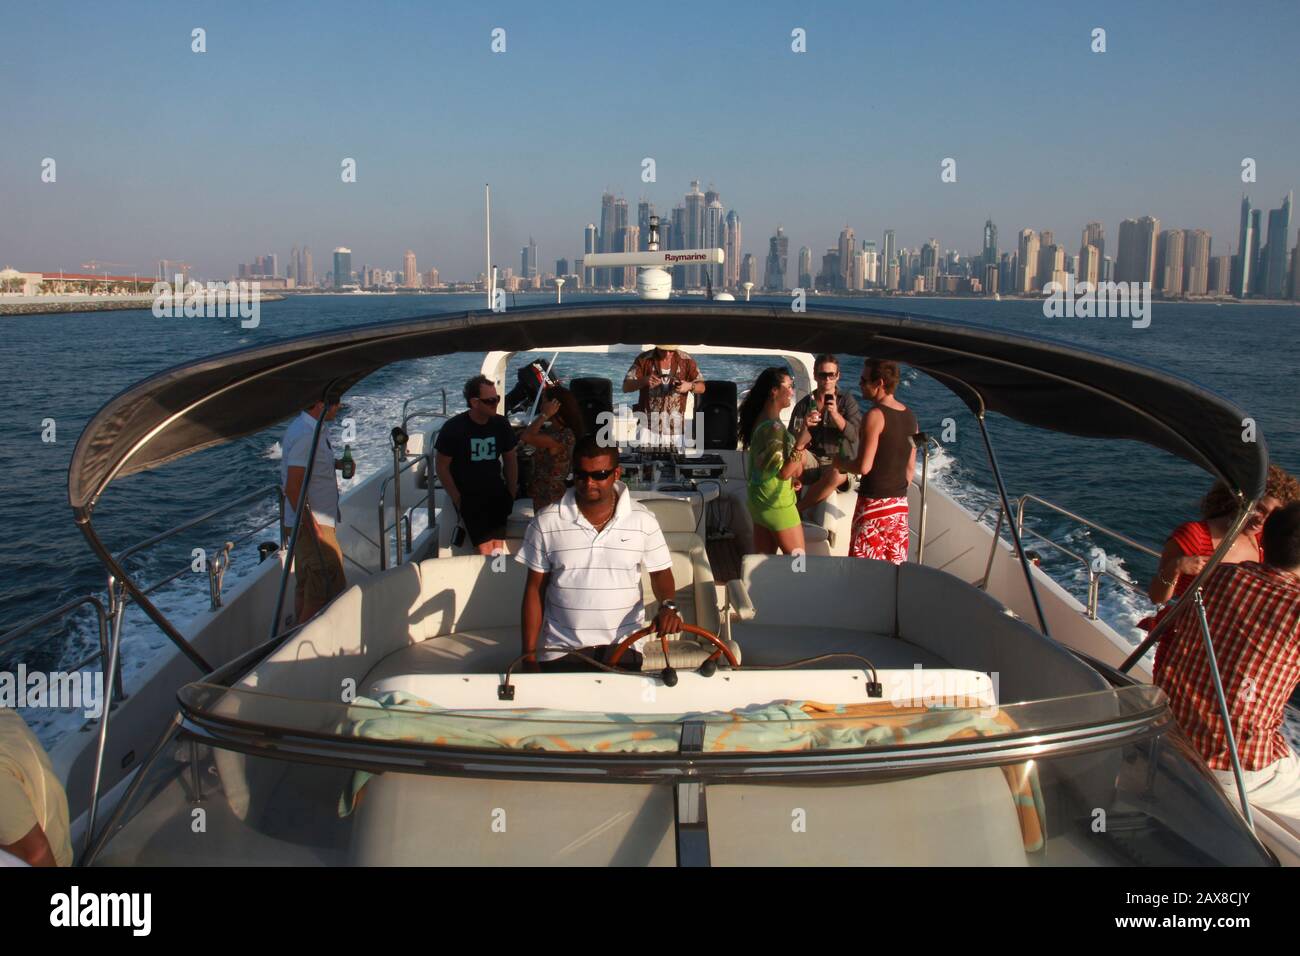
318, 560
585, 554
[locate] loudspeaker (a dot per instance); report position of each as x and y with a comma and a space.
594, 395
718, 406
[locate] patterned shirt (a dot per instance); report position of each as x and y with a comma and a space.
1254, 615
551, 469
664, 402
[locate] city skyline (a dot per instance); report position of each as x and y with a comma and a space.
207, 166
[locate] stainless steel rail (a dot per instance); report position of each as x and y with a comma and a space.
1094, 574
206, 516
398, 517
407, 416
101, 619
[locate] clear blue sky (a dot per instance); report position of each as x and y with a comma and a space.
217, 157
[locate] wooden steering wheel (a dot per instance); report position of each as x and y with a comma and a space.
722, 650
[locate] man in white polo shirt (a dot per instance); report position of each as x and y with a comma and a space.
585, 554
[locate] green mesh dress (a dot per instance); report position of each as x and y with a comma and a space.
771, 498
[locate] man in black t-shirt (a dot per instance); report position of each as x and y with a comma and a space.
472, 447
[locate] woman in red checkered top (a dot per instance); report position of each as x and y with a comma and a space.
1190, 544
1253, 611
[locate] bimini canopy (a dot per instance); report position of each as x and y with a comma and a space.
1039, 382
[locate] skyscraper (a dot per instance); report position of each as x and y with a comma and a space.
291, 270
847, 246
561, 267
713, 238
626, 276
1089, 264
805, 268
1196, 262
930, 265
777, 253
1241, 263
732, 249
528, 259
644, 210
1295, 269
871, 266
749, 269
1138, 244
990, 243
342, 267
1275, 258
1171, 252
306, 275
607, 234
693, 231
1027, 279
433, 281
1256, 252
1094, 235
888, 253
410, 274
1220, 282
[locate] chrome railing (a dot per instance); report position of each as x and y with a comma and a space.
408, 415
1093, 569
399, 516
101, 619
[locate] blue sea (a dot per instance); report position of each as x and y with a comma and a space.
65, 367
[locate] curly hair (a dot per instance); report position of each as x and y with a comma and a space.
1220, 500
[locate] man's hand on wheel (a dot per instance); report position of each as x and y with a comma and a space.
668, 621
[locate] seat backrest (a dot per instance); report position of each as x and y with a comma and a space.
467, 592
697, 597
675, 515
820, 590
970, 629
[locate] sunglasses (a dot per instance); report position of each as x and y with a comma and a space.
601, 475
489, 401
827, 374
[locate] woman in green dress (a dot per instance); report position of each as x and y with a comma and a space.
774, 461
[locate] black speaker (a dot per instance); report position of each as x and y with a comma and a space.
595, 396
718, 406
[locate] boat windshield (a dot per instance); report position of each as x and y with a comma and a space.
1094, 779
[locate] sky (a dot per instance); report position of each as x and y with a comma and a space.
213, 158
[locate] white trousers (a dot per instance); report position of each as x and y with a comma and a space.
1276, 789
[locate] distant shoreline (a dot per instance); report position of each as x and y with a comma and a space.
123, 303
30, 305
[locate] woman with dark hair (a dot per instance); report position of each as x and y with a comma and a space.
774, 460
886, 460
1191, 544
553, 433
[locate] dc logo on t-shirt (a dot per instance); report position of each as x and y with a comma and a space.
482, 449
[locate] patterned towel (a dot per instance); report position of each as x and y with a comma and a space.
785, 725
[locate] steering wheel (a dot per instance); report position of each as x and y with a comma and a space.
721, 648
